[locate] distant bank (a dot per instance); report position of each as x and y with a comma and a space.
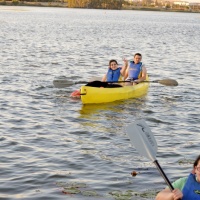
64, 5
41, 4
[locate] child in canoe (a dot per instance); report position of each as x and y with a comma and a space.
115, 73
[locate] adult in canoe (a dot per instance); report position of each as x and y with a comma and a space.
187, 188
115, 73
136, 71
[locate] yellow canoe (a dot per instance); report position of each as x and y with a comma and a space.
92, 95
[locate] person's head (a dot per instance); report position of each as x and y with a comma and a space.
196, 166
113, 64
137, 58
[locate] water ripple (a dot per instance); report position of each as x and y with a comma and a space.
49, 138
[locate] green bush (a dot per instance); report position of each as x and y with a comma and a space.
15, 2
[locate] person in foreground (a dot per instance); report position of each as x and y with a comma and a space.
187, 188
136, 71
115, 73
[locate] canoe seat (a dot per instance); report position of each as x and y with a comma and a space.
102, 84
113, 86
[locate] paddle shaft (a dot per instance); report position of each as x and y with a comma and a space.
163, 175
85, 82
65, 83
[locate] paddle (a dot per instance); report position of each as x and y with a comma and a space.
65, 83
167, 82
144, 142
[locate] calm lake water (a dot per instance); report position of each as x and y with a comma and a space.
49, 142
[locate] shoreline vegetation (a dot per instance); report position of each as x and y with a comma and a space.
118, 5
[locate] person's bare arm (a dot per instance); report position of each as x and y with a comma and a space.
143, 77
104, 78
123, 70
166, 194
126, 73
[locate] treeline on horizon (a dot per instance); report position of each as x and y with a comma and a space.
106, 4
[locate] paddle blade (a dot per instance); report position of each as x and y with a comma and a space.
142, 139
168, 82
62, 83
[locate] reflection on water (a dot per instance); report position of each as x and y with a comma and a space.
111, 115
118, 107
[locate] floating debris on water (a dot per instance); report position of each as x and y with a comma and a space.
89, 193
70, 185
115, 193
71, 191
148, 194
185, 161
134, 173
80, 189
119, 195
76, 188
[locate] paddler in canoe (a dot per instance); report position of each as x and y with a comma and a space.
114, 74
186, 188
136, 71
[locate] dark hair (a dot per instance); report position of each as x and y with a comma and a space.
138, 54
112, 61
196, 161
